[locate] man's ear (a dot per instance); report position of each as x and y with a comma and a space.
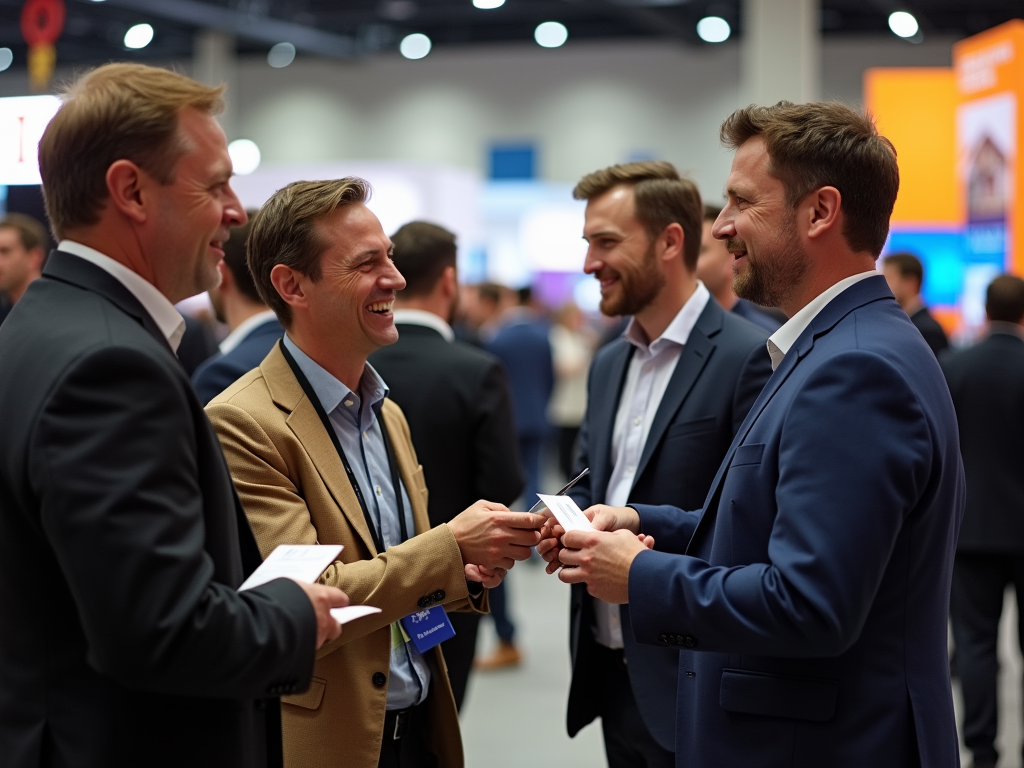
37, 256
288, 284
821, 210
450, 282
127, 187
673, 239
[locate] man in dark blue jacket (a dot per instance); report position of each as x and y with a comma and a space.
809, 598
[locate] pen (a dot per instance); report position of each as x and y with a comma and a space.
536, 508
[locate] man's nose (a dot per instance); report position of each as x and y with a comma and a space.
392, 280
591, 263
723, 228
233, 210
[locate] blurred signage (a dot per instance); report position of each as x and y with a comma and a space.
22, 122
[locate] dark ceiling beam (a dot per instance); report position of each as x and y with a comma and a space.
647, 19
242, 24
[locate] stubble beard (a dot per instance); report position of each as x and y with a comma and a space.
639, 288
770, 280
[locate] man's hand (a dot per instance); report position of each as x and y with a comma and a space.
323, 599
602, 517
601, 559
488, 578
490, 536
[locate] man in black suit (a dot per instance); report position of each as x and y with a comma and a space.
663, 405
987, 385
456, 399
905, 276
254, 328
122, 542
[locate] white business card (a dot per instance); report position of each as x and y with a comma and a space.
301, 562
567, 512
352, 612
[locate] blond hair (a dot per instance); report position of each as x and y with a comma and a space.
285, 232
115, 112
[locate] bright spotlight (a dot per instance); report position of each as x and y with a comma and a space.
138, 36
245, 156
414, 46
6, 58
713, 29
488, 4
550, 34
281, 55
903, 24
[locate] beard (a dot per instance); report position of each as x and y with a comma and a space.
770, 279
639, 286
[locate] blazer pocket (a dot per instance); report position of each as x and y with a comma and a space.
696, 426
760, 693
747, 454
310, 699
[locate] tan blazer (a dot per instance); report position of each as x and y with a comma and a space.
295, 491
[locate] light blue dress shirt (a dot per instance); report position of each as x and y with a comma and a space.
356, 423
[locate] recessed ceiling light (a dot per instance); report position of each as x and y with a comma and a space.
245, 156
415, 46
138, 36
281, 55
713, 29
550, 34
6, 58
488, 4
903, 24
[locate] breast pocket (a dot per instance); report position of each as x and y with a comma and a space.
747, 454
691, 427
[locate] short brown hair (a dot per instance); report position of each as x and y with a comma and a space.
1004, 299
31, 233
827, 144
285, 232
661, 197
907, 264
423, 251
115, 112
235, 260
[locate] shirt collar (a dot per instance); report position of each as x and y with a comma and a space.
678, 331
425, 319
780, 342
244, 328
167, 318
332, 392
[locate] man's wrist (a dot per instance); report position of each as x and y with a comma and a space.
634, 523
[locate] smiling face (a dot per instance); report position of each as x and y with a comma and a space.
759, 227
620, 254
193, 214
354, 296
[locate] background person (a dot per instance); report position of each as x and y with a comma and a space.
572, 349
22, 254
986, 383
122, 542
905, 276
456, 400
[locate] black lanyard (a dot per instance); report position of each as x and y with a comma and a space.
392, 461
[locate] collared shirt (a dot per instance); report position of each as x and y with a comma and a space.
650, 370
244, 328
167, 318
426, 319
780, 342
356, 422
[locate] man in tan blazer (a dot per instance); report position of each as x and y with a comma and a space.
319, 455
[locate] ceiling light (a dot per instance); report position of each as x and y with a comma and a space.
550, 34
281, 55
903, 24
488, 4
713, 29
245, 156
6, 57
414, 46
138, 36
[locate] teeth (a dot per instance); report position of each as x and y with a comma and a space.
381, 306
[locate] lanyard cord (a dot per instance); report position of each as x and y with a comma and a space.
392, 461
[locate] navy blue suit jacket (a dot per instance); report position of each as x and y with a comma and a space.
221, 371
810, 597
721, 371
523, 346
750, 311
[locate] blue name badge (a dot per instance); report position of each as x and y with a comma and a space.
427, 628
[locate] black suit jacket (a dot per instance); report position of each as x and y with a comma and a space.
221, 371
720, 373
931, 330
123, 640
987, 385
456, 400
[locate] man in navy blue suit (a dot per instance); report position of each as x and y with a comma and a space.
254, 327
664, 402
809, 597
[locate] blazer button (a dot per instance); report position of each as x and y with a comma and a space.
438, 596
663, 639
379, 679
424, 601
689, 641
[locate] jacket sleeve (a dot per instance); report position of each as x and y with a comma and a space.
499, 474
393, 581
116, 471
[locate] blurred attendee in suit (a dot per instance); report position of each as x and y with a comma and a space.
572, 345
456, 400
254, 328
905, 276
665, 402
714, 269
987, 385
197, 344
22, 253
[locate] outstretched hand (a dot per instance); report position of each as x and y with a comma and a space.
602, 517
481, 575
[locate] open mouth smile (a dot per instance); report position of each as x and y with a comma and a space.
381, 307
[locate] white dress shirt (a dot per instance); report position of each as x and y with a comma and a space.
650, 370
426, 319
167, 318
244, 328
780, 342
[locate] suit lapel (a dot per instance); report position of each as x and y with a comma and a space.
601, 412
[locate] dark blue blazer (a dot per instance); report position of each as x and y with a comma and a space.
523, 346
221, 371
721, 371
810, 597
750, 311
